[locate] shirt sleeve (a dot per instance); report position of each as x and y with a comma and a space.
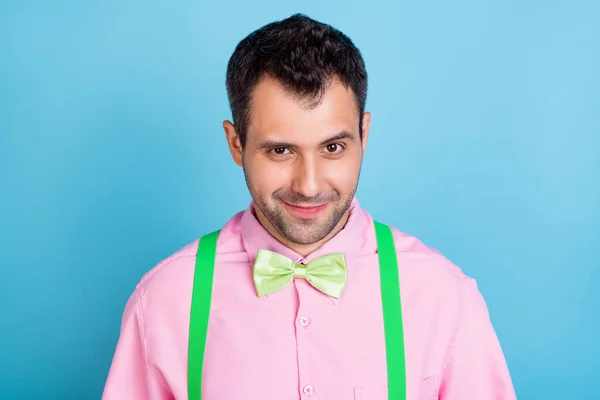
130, 377
477, 368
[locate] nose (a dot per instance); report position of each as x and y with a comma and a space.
306, 179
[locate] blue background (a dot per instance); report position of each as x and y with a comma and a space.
485, 144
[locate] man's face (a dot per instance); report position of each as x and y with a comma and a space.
302, 164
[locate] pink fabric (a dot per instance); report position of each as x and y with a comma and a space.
301, 344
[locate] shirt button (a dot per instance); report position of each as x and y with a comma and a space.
308, 390
303, 321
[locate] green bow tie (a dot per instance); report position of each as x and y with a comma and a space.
273, 271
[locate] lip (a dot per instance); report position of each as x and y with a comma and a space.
305, 212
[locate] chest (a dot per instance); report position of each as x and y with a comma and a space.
299, 343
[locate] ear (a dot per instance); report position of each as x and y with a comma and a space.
233, 140
366, 124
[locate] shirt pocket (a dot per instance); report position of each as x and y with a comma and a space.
425, 390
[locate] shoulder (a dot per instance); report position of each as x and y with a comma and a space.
427, 276
424, 258
415, 256
174, 274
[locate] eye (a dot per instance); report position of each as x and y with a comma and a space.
279, 150
334, 148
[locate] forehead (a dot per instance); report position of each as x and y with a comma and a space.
277, 114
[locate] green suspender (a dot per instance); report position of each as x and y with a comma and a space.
200, 311
392, 312
390, 296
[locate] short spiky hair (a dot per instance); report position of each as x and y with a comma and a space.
303, 55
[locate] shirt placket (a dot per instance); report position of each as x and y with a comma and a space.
305, 318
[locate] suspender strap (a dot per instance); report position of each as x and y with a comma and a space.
200, 312
390, 297
392, 312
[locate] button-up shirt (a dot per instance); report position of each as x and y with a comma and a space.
299, 343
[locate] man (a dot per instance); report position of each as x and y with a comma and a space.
292, 305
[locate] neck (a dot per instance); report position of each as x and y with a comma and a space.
302, 249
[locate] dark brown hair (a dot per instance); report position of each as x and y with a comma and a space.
302, 54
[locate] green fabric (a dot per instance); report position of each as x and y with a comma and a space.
273, 271
392, 312
200, 311
390, 297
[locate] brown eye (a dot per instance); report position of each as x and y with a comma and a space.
334, 148
279, 150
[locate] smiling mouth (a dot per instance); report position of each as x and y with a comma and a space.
309, 212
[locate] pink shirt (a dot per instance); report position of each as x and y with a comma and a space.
299, 343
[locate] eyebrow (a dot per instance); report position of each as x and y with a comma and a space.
273, 144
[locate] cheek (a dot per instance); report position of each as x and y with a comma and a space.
342, 175
267, 177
